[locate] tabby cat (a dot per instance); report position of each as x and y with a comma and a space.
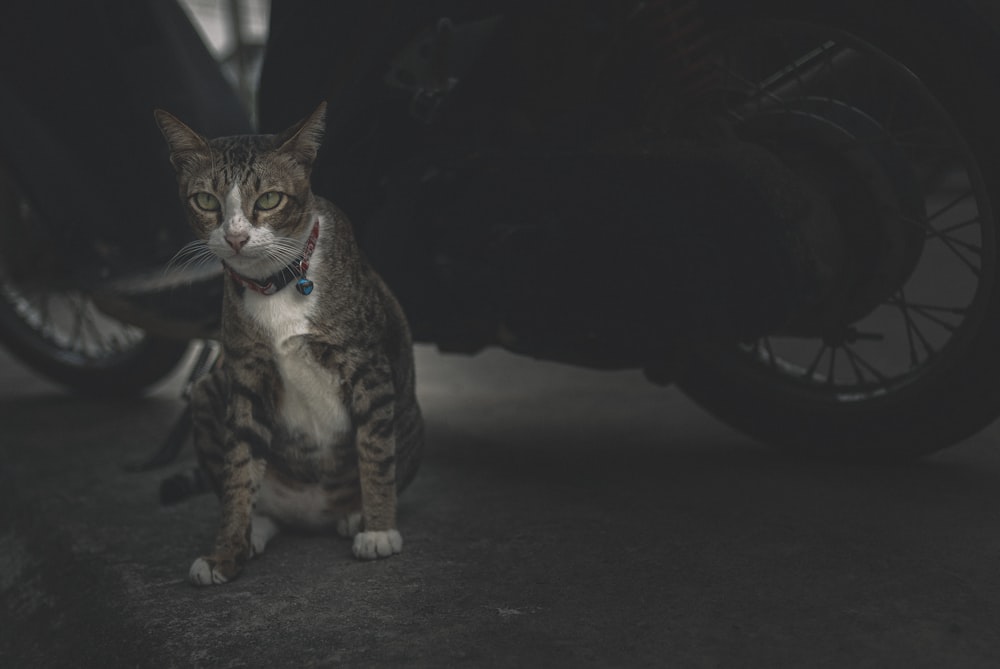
311, 421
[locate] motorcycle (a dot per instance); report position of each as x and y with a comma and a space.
788, 209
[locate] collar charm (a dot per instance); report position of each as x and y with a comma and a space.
295, 271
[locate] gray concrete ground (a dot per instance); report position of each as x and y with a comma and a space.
563, 518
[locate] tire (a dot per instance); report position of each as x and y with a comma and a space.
55, 328
946, 385
140, 362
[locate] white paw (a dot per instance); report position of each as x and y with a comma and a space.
373, 545
201, 573
349, 525
262, 531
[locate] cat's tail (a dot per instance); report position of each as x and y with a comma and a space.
179, 487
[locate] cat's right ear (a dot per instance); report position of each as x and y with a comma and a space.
184, 142
302, 140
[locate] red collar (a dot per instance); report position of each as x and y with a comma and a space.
295, 271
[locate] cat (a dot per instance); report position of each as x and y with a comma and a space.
311, 421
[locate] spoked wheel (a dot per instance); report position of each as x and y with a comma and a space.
56, 329
901, 359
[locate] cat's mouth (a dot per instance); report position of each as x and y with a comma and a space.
250, 263
248, 260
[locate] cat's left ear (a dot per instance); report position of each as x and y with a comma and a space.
302, 140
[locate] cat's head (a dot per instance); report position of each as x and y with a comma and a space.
247, 197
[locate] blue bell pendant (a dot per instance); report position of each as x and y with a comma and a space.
304, 286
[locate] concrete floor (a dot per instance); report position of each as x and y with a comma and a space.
562, 518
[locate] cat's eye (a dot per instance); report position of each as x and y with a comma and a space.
269, 200
206, 202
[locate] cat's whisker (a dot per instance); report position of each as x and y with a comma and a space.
286, 245
283, 251
198, 262
193, 254
202, 255
190, 247
201, 261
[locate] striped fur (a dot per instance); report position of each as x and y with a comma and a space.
312, 420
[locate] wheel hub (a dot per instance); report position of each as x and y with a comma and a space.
851, 163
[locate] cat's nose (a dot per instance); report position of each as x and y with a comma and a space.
237, 241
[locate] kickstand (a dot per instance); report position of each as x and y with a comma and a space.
208, 357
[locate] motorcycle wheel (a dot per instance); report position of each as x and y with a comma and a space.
57, 330
900, 115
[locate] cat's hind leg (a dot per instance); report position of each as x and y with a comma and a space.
262, 530
348, 526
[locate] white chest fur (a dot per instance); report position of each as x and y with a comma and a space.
310, 398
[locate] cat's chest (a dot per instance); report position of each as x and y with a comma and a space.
311, 404
278, 317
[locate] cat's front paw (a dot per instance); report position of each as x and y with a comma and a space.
213, 571
374, 545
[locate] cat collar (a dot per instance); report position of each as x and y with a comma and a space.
295, 271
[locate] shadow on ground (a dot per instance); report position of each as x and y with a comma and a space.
562, 518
